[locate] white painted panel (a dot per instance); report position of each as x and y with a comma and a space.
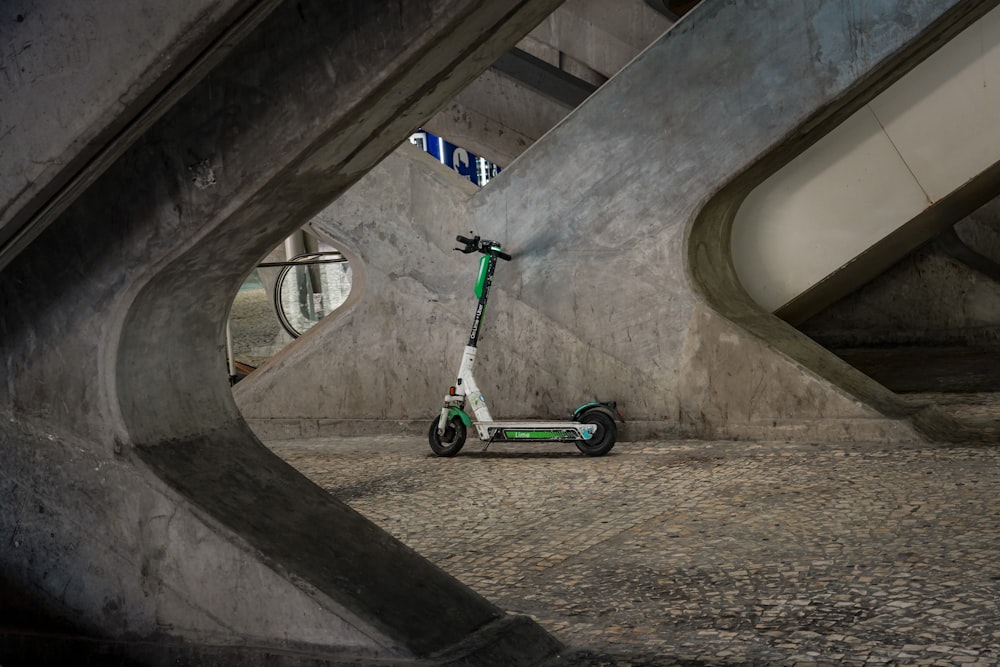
830, 203
944, 117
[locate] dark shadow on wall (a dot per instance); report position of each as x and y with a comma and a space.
23, 612
931, 323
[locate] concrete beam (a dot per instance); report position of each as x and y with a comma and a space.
537, 75
145, 511
602, 35
413, 277
88, 78
981, 230
814, 231
497, 117
942, 295
477, 132
712, 266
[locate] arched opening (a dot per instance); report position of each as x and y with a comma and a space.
299, 283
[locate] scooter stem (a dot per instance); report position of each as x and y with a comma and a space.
467, 386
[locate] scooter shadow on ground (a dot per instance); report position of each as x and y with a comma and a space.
512, 454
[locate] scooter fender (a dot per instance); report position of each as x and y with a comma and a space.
610, 407
458, 412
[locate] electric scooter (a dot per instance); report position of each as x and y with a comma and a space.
592, 429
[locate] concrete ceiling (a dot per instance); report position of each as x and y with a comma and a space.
558, 65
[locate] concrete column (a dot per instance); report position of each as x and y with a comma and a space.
142, 507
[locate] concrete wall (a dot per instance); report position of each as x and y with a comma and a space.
981, 231
944, 294
140, 506
80, 81
409, 301
497, 118
619, 220
930, 298
602, 36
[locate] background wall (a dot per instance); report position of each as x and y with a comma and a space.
604, 216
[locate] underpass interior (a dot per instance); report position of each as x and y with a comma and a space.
186, 446
792, 246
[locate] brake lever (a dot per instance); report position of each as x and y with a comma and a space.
471, 245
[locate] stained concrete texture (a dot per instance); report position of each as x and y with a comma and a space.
80, 81
622, 286
404, 304
137, 505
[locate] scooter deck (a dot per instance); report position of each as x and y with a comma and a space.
514, 431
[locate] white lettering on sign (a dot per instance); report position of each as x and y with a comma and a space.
419, 139
460, 159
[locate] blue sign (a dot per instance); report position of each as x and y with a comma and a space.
476, 169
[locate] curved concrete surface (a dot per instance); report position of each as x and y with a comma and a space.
361, 357
136, 503
619, 220
926, 136
88, 78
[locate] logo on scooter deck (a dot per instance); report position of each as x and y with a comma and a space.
511, 434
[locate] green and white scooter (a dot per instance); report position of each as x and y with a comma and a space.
592, 429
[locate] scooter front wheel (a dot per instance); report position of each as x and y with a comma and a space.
451, 442
605, 435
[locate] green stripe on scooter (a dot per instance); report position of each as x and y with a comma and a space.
533, 435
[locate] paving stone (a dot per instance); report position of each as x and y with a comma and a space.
695, 553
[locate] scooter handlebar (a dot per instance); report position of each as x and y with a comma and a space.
476, 244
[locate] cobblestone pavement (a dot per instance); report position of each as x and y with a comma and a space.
694, 553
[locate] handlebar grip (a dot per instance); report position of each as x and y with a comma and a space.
462, 239
503, 255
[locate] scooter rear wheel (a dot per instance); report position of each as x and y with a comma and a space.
604, 438
451, 442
